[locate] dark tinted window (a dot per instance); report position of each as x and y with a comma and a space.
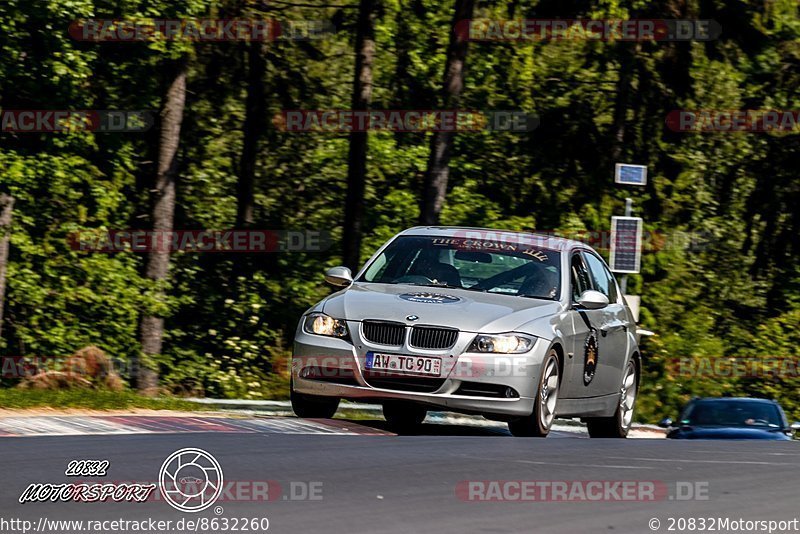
579, 276
601, 277
740, 413
512, 268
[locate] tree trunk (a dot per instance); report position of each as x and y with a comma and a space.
622, 101
6, 210
357, 157
254, 124
435, 188
163, 212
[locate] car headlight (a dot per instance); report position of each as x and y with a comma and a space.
325, 325
502, 343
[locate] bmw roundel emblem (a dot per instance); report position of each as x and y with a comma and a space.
411, 318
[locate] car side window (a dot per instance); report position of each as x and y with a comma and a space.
378, 267
601, 277
579, 275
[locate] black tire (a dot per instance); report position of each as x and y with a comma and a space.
533, 426
313, 406
604, 427
404, 417
615, 426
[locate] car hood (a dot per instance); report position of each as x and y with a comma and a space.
469, 311
700, 432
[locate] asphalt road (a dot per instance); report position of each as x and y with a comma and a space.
408, 484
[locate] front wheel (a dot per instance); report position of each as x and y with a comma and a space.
544, 410
313, 406
619, 424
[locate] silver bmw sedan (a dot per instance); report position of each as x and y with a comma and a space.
513, 326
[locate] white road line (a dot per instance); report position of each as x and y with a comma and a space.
740, 452
682, 461
37, 425
63, 426
534, 462
87, 425
96, 425
601, 466
290, 426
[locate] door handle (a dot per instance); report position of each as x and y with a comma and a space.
605, 329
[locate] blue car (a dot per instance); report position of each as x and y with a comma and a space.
731, 418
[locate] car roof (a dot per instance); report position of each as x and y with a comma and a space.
496, 234
734, 399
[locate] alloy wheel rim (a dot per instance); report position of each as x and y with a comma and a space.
549, 394
628, 396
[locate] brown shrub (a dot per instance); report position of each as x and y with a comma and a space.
54, 380
87, 368
91, 362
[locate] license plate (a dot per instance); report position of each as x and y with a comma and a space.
400, 363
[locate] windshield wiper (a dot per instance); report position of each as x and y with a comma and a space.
445, 286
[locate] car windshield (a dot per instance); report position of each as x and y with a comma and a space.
519, 269
732, 413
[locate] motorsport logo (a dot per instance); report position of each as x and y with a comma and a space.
430, 298
190, 480
590, 356
86, 492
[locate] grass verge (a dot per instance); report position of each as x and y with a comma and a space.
94, 399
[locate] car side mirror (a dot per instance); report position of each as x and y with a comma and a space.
665, 423
795, 426
339, 276
592, 300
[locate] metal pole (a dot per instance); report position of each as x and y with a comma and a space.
623, 283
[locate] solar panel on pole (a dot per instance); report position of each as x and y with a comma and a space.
626, 244
629, 174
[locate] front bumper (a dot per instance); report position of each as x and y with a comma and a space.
486, 384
